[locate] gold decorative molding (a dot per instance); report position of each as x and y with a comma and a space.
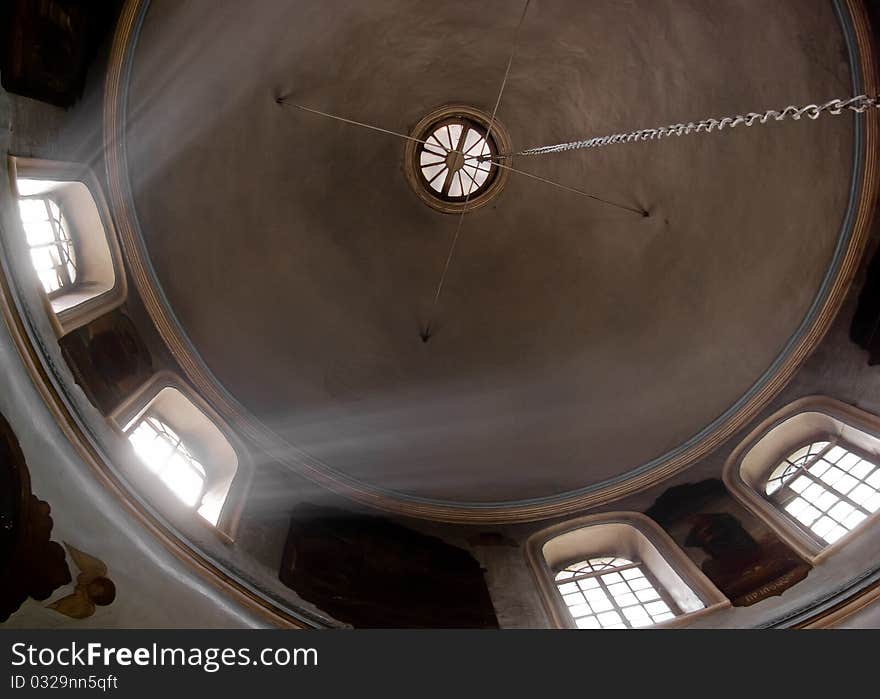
398, 503
842, 611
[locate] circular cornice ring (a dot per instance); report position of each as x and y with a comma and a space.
848, 252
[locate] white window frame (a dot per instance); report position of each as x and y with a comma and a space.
628, 579
630, 535
140, 403
101, 284
811, 419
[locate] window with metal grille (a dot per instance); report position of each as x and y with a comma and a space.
51, 245
164, 453
451, 159
613, 593
825, 488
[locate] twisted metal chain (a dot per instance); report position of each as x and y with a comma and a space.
857, 104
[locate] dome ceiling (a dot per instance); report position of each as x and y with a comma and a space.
573, 341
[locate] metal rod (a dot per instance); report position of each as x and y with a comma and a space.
575, 190
283, 101
427, 330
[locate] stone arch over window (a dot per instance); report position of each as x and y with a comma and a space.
812, 473
70, 238
183, 455
617, 570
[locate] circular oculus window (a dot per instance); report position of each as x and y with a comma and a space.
452, 164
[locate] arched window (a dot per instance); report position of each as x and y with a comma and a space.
826, 488
164, 453
810, 472
612, 593
617, 570
48, 235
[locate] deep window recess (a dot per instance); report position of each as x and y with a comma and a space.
70, 240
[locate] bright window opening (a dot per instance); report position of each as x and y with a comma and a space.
52, 249
451, 162
612, 593
184, 449
72, 243
163, 452
825, 488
